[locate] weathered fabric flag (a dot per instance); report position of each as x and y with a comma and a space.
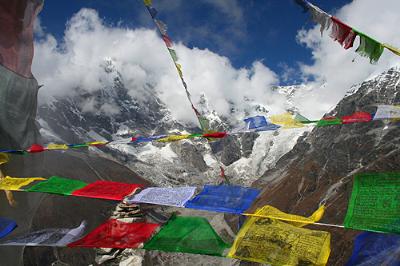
97, 143
174, 138
374, 203
58, 185
342, 33
173, 54
270, 241
224, 198
320, 17
106, 190
148, 2
372, 249
15, 183
4, 158
296, 220
329, 121
53, 146
387, 112
55, 237
167, 41
286, 120
215, 135
357, 117
391, 48
256, 122
188, 235
179, 68
6, 226
176, 196
369, 48
116, 234
152, 11
161, 26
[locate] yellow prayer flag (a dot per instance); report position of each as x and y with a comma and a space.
148, 2
393, 49
179, 68
285, 120
174, 138
4, 158
53, 146
15, 183
270, 241
271, 212
97, 143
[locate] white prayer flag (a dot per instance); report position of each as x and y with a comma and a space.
163, 196
387, 112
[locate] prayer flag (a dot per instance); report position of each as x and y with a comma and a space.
152, 11
391, 48
97, 143
6, 226
369, 48
286, 120
342, 33
53, 146
116, 234
55, 237
36, 148
76, 146
375, 249
224, 198
215, 135
173, 54
57, 185
320, 17
15, 183
174, 138
374, 203
179, 68
357, 117
188, 235
168, 42
106, 190
387, 112
329, 121
270, 241
161, 26
148, 2
4, 158
256, 122
177, 196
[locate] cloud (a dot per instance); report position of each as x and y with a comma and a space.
333, 66
141, 58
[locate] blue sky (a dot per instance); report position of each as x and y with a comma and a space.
243, 31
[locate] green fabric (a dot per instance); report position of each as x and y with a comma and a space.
58, 185
375, 203
188, 235
369, 47
195, 135
300, 118
329, 122
173, 54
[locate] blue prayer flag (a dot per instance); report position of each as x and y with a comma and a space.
6, 226
152, 11
224, 198
259, 123
376, 249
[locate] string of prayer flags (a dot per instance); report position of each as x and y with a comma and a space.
320, 17
374, 203
15, 183
387, 112
59, 237
188, 235
329, 121
357, 117
375, 249
369, 48
224, 198
163, 196
106, 190
273, 242
296, 220
6, 226
4, 158
285, 120
58, 185
117, 234
342, 33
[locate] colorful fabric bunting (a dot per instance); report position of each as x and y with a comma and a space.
387, 112
369, 48
53, 146
106, 190
224, 198
97, 143
357, 117
36, 148
391, 48
320, 17
215, 135
296, 220
174, 138
6, 226
59, 237
372, 249
116, 234
163, 196
342, 33
167, 41
270, 241
374, 203
329, 121
15, 183
188, 235
58, 185
4, 158
285, 120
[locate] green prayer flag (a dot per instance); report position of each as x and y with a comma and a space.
58, 185
188, 235
375, 203
369, 47
173, 54
329, 122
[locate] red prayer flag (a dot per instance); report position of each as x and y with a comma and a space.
167, 41
342, 33
36, 148
357, 117
106, 190
116, 234
216, 135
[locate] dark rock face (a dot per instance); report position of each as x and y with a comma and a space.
320, 167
